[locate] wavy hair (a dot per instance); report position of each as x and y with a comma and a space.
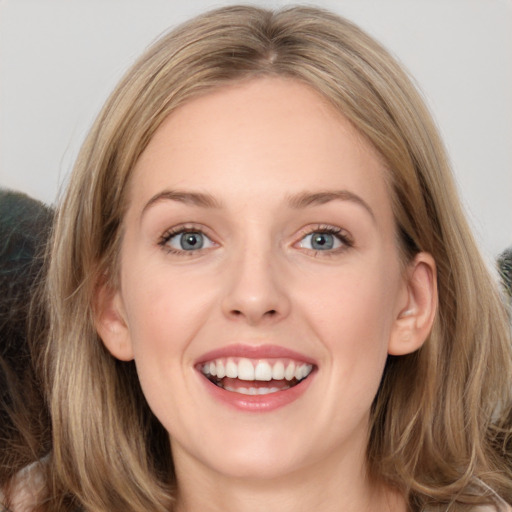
440, 421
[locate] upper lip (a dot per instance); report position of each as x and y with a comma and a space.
255, 352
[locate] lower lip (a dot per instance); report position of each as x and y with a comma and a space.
258, 403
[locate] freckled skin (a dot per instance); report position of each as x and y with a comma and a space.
257, 281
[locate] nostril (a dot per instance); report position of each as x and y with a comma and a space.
270, 312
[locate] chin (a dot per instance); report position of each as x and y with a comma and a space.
253, 455
257, 467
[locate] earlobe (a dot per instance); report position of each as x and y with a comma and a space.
416, 311
110, 322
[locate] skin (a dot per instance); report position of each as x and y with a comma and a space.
258, 281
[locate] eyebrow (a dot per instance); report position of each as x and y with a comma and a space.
296, 201
193, 198
305, 199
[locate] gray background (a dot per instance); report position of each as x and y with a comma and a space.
59, 59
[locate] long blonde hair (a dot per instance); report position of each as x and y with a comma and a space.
440, 419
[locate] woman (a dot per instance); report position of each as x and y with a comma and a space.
24, 431
262, 288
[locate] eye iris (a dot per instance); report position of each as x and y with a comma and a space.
322, 241
190, 241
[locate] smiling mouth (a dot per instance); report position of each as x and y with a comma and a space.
255, 376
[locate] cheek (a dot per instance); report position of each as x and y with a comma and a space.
351, 303
352, 313
164, 315
164, 307
164, 312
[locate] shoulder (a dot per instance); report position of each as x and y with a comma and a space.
499, 507
499, 504
25, 490
494, 502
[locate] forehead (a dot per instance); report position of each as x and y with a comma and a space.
267, 137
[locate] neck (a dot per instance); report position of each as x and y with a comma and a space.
329, 486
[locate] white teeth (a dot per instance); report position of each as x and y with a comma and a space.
266, 391
289, 374
254, 391
245, 369
303, 371
278, 371
263, 371
221, 371
231, 369
250, 370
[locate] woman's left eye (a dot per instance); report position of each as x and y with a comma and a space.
324, 240
186, 241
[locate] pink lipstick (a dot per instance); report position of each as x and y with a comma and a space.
256, 378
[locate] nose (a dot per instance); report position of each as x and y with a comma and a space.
256, 289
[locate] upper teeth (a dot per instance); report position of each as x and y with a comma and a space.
250, 369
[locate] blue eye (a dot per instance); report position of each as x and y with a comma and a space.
187, 241
323, 241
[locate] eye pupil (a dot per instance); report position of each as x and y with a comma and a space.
322, 241
191, 241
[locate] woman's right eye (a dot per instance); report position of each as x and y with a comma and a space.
186, 241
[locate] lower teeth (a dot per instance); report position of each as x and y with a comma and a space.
261, 390
254, 391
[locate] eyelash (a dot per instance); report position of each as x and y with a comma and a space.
345, 239
343, 236
168, 235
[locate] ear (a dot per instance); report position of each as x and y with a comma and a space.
110, 321
417, 306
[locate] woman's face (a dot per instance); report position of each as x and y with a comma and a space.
260, 281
